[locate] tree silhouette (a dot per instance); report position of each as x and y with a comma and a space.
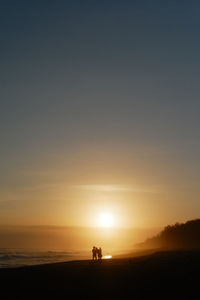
177, 236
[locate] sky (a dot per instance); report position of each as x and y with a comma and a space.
99, 112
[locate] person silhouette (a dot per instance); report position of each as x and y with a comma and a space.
94, 253
100, 254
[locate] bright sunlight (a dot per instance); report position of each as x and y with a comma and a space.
106, 220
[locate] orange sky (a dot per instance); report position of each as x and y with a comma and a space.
141, 189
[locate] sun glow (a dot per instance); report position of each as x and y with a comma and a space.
107, 256
106, 220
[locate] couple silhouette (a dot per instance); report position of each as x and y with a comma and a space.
96, 253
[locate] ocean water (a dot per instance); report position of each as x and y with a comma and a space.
10, 258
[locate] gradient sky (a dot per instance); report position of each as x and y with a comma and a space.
99, 111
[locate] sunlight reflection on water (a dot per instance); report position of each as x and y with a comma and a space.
107, 256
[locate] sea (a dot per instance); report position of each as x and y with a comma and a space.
12, 258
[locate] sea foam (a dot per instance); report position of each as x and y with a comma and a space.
10, 258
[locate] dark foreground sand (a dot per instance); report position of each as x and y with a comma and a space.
162, 275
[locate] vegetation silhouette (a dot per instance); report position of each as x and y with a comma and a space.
178, 236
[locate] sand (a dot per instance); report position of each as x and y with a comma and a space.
162, 275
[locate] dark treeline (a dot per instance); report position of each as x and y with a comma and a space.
178, 236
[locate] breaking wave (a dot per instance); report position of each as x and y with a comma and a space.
10, 258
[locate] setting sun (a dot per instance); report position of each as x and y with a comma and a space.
106, 220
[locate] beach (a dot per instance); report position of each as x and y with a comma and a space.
162, 275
